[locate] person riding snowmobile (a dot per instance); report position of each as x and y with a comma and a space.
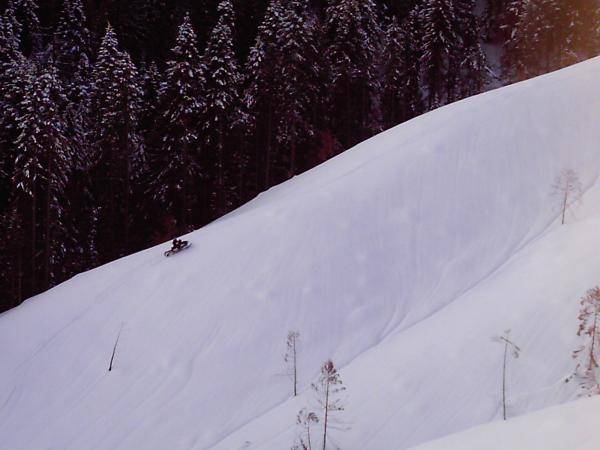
178, 244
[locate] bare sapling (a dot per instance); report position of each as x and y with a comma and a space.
304, 421
588, 354
328, 390
112, 357
567, 188
510, 349
291, 359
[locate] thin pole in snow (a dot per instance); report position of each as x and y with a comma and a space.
112, 358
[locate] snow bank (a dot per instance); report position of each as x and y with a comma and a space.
573, 426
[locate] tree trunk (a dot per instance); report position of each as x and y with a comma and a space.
564, 208
33, 240
269, 147
220, 176
504, 381
126, 152
293, 154
295, 368
593, 362
326, 416
182, 222
19, 290
47, 237
348, 124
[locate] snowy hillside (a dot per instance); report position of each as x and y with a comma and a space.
399, 259
573, 426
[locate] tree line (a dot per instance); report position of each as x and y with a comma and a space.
124, 124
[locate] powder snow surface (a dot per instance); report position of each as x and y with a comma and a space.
573, 426
399, 259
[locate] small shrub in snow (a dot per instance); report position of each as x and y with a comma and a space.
304, 420
510, 348
568, 188
588, 354
328, 390
291, 358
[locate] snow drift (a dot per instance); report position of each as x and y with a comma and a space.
399, 259
572, 426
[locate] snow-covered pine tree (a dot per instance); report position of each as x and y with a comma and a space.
26, 24
151, 80
180, 179
494, 21
71, 52
118, 152
354, 43
579, 30
222, 111
9, 40
533, 47
514, 48
71, 46
298, 84
472, 70
40, 175
12, 64
442, 50
401, 93
588, 354
14, 79
260, 97
328, 391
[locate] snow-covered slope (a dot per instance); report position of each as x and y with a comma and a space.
573, 426
399, 259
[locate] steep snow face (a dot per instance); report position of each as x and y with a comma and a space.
399, 260
573, 426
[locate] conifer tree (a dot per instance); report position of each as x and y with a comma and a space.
441, 50
533, 47
72, 47
26, 25
401, 99
579, 31
40, 175
261, 96
71, 50
151, 80
222, 107
118, 153
298, 83
181, 102
15, 78
495, 26
354, 36
9, 41
12, 75
472, 70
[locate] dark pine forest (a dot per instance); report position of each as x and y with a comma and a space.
125, 123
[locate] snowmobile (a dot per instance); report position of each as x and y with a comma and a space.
178, 245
